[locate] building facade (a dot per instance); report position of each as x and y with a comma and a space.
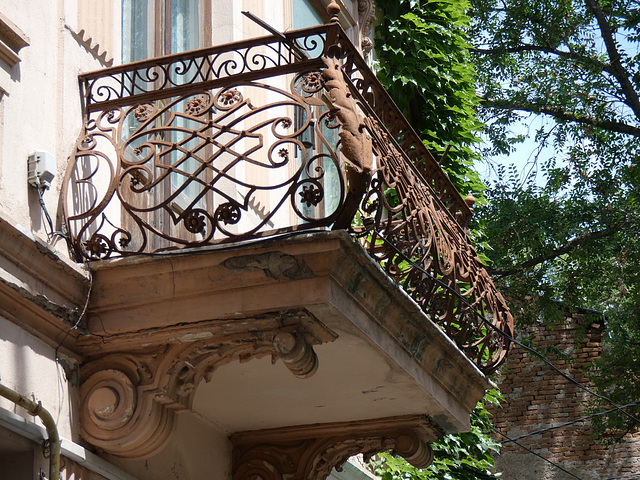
223, 251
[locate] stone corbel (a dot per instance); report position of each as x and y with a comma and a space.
366, 17
129, 397
311, 452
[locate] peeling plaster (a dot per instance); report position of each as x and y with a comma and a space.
68, 315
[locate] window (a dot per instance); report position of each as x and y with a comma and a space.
152, 28
305, 15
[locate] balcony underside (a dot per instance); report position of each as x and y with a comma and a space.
200, 330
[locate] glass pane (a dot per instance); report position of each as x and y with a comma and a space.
136, 44
185, 35
305, 15
185, 23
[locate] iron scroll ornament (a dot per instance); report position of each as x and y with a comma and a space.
204, 168
412, 235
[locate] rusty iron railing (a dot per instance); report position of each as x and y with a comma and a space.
275, 135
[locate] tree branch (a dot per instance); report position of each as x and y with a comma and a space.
537, 48
561, 114
621, 74
566, 248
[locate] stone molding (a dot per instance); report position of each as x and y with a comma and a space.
40, 290
366, 17
310, 452
129, 396
12, 40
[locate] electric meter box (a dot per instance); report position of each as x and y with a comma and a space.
42, 167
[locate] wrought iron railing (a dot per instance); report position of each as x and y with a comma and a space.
275, 135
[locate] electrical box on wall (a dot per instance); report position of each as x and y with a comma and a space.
42, 167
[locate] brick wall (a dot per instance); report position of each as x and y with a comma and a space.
537, 397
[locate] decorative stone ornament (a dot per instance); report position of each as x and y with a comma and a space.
366, 16
129, 396
310, 452
333, 9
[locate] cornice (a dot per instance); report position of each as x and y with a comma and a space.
12, 40
40, 290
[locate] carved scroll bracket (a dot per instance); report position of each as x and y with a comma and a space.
311, 452
366, 17
130, 395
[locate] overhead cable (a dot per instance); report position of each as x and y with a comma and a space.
566, 424
556, 465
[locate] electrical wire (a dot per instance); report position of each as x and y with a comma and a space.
503, 333
566, 424
535, 352
448, 288
435, 279
50, 232
46, 213
559, 467
80, 317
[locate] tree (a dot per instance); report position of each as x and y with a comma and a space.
424, 63
573, 237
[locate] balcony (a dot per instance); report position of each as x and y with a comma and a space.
270, 137
266, 200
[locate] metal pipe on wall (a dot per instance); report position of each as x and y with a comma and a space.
37, 409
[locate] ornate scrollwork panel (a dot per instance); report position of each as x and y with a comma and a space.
167, 76
427, 252
204, 168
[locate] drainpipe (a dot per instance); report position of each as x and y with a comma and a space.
36, 409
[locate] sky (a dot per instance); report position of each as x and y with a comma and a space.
524, 155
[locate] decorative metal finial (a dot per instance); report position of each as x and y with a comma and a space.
333, 9
470, 200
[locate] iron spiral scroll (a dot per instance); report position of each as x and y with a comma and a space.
204, 168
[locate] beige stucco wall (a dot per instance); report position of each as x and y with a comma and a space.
28, 366
41, 106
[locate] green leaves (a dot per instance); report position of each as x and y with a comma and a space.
423, 61
466, 456
572, 236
